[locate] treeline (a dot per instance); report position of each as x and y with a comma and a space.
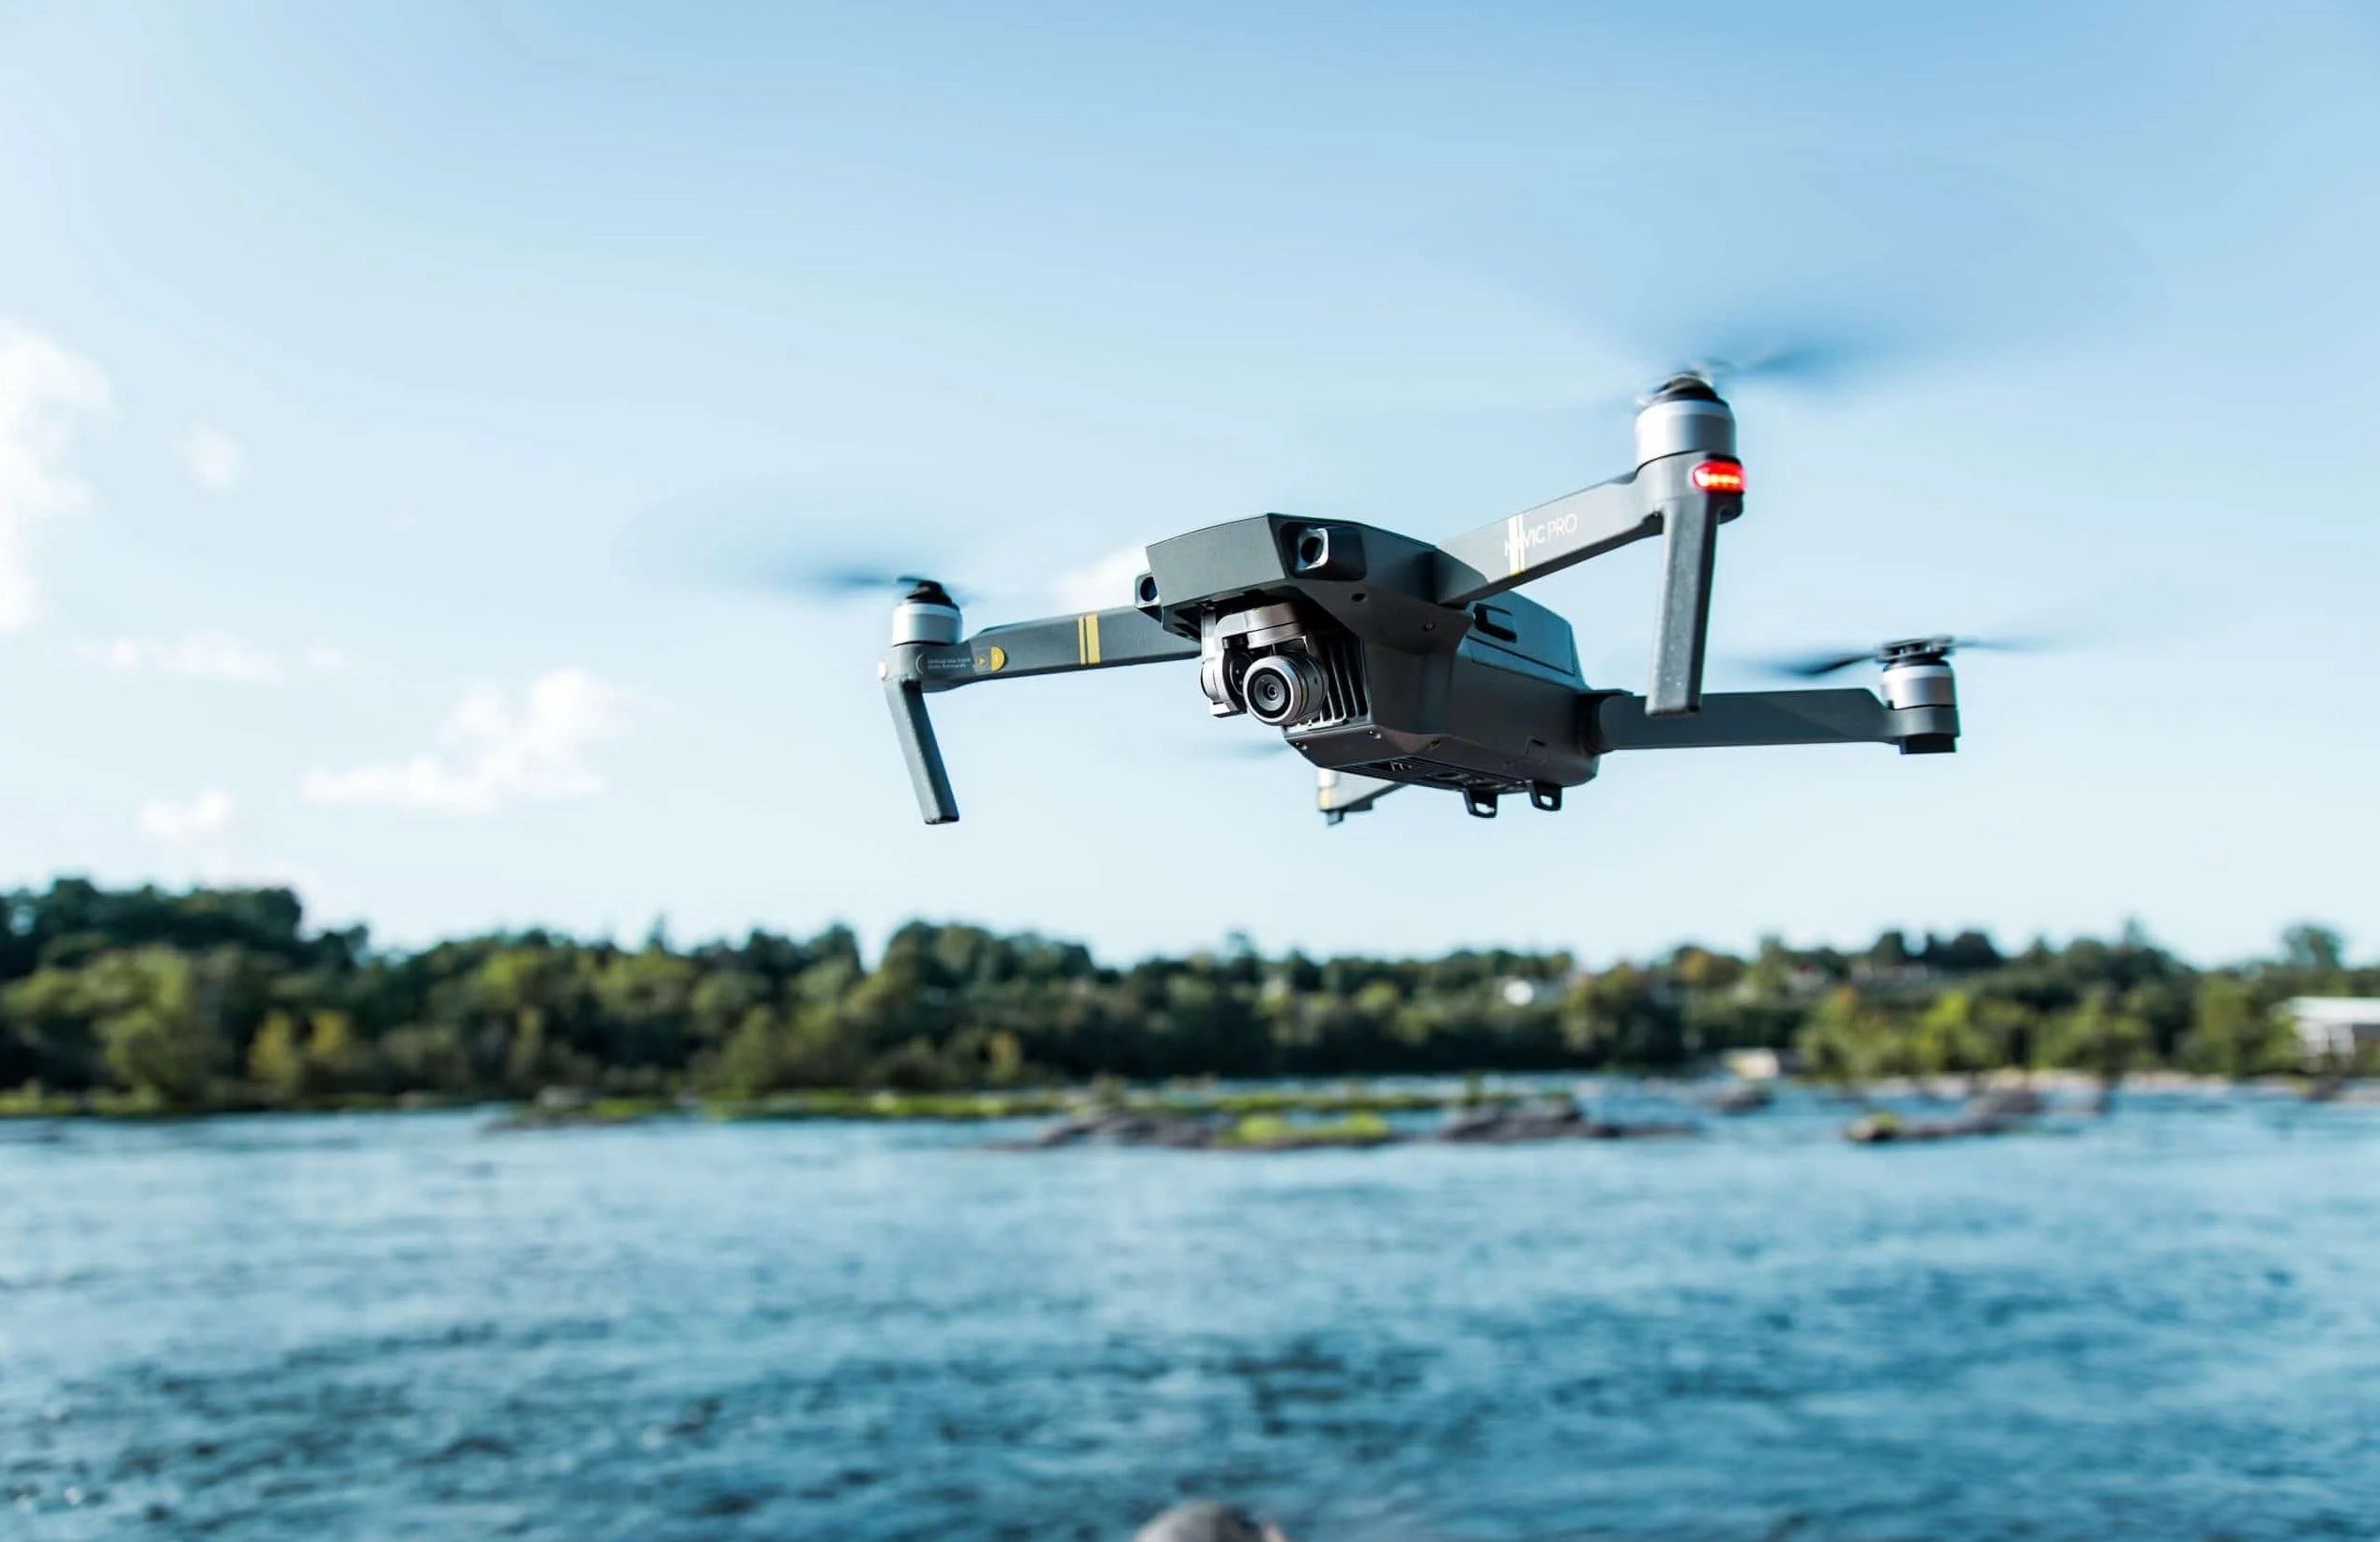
224, 999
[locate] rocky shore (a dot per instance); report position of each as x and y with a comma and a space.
1503, 1124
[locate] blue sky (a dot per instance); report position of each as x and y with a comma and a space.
370, 376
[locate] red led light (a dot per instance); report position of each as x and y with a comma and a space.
1719, 476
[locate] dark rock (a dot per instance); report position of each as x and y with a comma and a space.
1117, 1127
1890, 1129
1742, 1098
2005, 1103
1562, 1120
1205, 1522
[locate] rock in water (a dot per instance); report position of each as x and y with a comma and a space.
1559, 1119
1742, 1098
1207, 1521
1884, 1127
2005, 1103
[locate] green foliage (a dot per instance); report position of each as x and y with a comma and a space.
2232, 1035
2099, 1037
1274, 1132
144, 999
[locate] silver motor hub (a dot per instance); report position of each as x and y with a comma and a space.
1685, 417
925, 614
1917, 673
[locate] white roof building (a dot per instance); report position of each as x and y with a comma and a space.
2334, 1028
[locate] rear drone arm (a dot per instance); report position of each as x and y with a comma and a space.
1339, 794
1734, 719
1687, 484
928, 654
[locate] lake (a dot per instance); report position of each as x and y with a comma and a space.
2164, 1324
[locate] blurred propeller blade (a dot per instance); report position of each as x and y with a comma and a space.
770, 541
831, 580
1848, 272
1814, 666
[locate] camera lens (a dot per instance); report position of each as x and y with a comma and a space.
1281, 688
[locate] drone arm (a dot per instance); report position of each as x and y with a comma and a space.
1730, 718
1677, 496
1339, 794
1099, 640
1552, 536
919, 748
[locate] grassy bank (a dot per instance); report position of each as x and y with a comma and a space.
1256, 1108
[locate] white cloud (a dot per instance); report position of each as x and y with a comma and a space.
199, 837
198, 655
201, 821
213, 456
1100, 585
209, 654
43, 389
491, 753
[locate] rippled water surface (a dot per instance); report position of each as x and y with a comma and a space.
2165, 1324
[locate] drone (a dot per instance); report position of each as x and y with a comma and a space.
1390, 662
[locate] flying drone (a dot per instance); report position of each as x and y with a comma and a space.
1389, 662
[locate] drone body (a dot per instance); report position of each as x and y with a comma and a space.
1388, 661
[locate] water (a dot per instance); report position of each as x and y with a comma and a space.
2163, 1325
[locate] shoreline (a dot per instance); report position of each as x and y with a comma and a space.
565, 1108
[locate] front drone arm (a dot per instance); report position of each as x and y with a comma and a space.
1536, 542
1687, 484
1100, 639
928, 654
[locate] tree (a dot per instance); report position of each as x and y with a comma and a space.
2313, 949
1848, 1039
158, 1044
276, 1064
2097, 1037
1951, 1036
2230, 1036
198, 999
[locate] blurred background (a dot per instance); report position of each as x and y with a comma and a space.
393, 395
415, 423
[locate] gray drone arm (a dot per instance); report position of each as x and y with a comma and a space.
1339, 794
918, 663
1544, 540
1099, 640
1685, 497
1732, 719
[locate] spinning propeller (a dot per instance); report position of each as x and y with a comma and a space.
1906, 650
1843, 272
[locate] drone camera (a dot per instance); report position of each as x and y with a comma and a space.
1281, 688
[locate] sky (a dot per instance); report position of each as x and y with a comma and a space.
388, 393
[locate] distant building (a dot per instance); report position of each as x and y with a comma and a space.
2335, 1027
1757, 1065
